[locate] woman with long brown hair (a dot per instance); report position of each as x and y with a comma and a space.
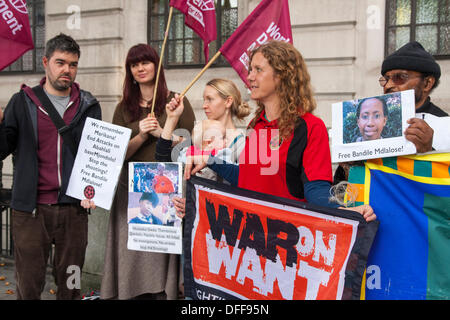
134, 274
287, 150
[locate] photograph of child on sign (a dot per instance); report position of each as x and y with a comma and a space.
153, 225
152, 187
372, 127
152, 208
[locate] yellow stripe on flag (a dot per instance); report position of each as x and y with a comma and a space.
363, 287
370, 166
435, 157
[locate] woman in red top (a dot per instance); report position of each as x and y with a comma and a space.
287, 150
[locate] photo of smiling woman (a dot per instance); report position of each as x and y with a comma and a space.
371, 115
372, 118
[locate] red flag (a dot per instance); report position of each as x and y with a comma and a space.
200, 16
15, 32
269, 21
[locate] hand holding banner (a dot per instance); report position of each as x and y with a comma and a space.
247, 245
15, 33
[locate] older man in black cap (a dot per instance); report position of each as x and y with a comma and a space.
412, 67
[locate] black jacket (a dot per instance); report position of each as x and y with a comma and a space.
430, 107
18, 133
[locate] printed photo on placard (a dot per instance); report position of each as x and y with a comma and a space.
153, 224
372, 118
152, 208
372, 127
159, 177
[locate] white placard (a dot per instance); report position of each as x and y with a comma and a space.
153, 225
355, 136
99, 160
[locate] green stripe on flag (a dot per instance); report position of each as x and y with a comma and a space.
390, 162
423, 168
438, 279
357, 174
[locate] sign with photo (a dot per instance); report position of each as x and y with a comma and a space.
372, 127
98, 163
152, 221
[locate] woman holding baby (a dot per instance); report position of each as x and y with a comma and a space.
290, 144
222, 102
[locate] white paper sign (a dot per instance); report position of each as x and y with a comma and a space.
99, 160
152, 221
441, 131
372, 127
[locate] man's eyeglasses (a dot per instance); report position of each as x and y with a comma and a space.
397, 78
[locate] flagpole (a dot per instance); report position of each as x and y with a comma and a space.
216, 56
161, 58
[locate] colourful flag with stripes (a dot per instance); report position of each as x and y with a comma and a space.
410, 257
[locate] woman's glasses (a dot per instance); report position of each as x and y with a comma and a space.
397, 78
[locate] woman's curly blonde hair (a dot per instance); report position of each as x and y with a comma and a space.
294, 89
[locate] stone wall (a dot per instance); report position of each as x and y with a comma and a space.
342, 42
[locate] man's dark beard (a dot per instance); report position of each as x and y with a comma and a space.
60, 85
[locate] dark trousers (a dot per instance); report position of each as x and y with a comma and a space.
65, 226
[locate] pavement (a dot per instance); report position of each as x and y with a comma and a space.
89, 282
8, 282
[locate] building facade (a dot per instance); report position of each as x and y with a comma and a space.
343, 42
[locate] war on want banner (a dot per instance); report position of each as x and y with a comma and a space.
247, 245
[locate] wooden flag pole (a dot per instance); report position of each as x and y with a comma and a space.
161, 58
200, 74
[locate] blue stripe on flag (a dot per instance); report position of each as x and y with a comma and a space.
400, 249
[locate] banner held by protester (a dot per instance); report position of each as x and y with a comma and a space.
15, 32
200, 16
242, 244
269, 21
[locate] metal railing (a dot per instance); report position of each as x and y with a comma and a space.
6, 243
